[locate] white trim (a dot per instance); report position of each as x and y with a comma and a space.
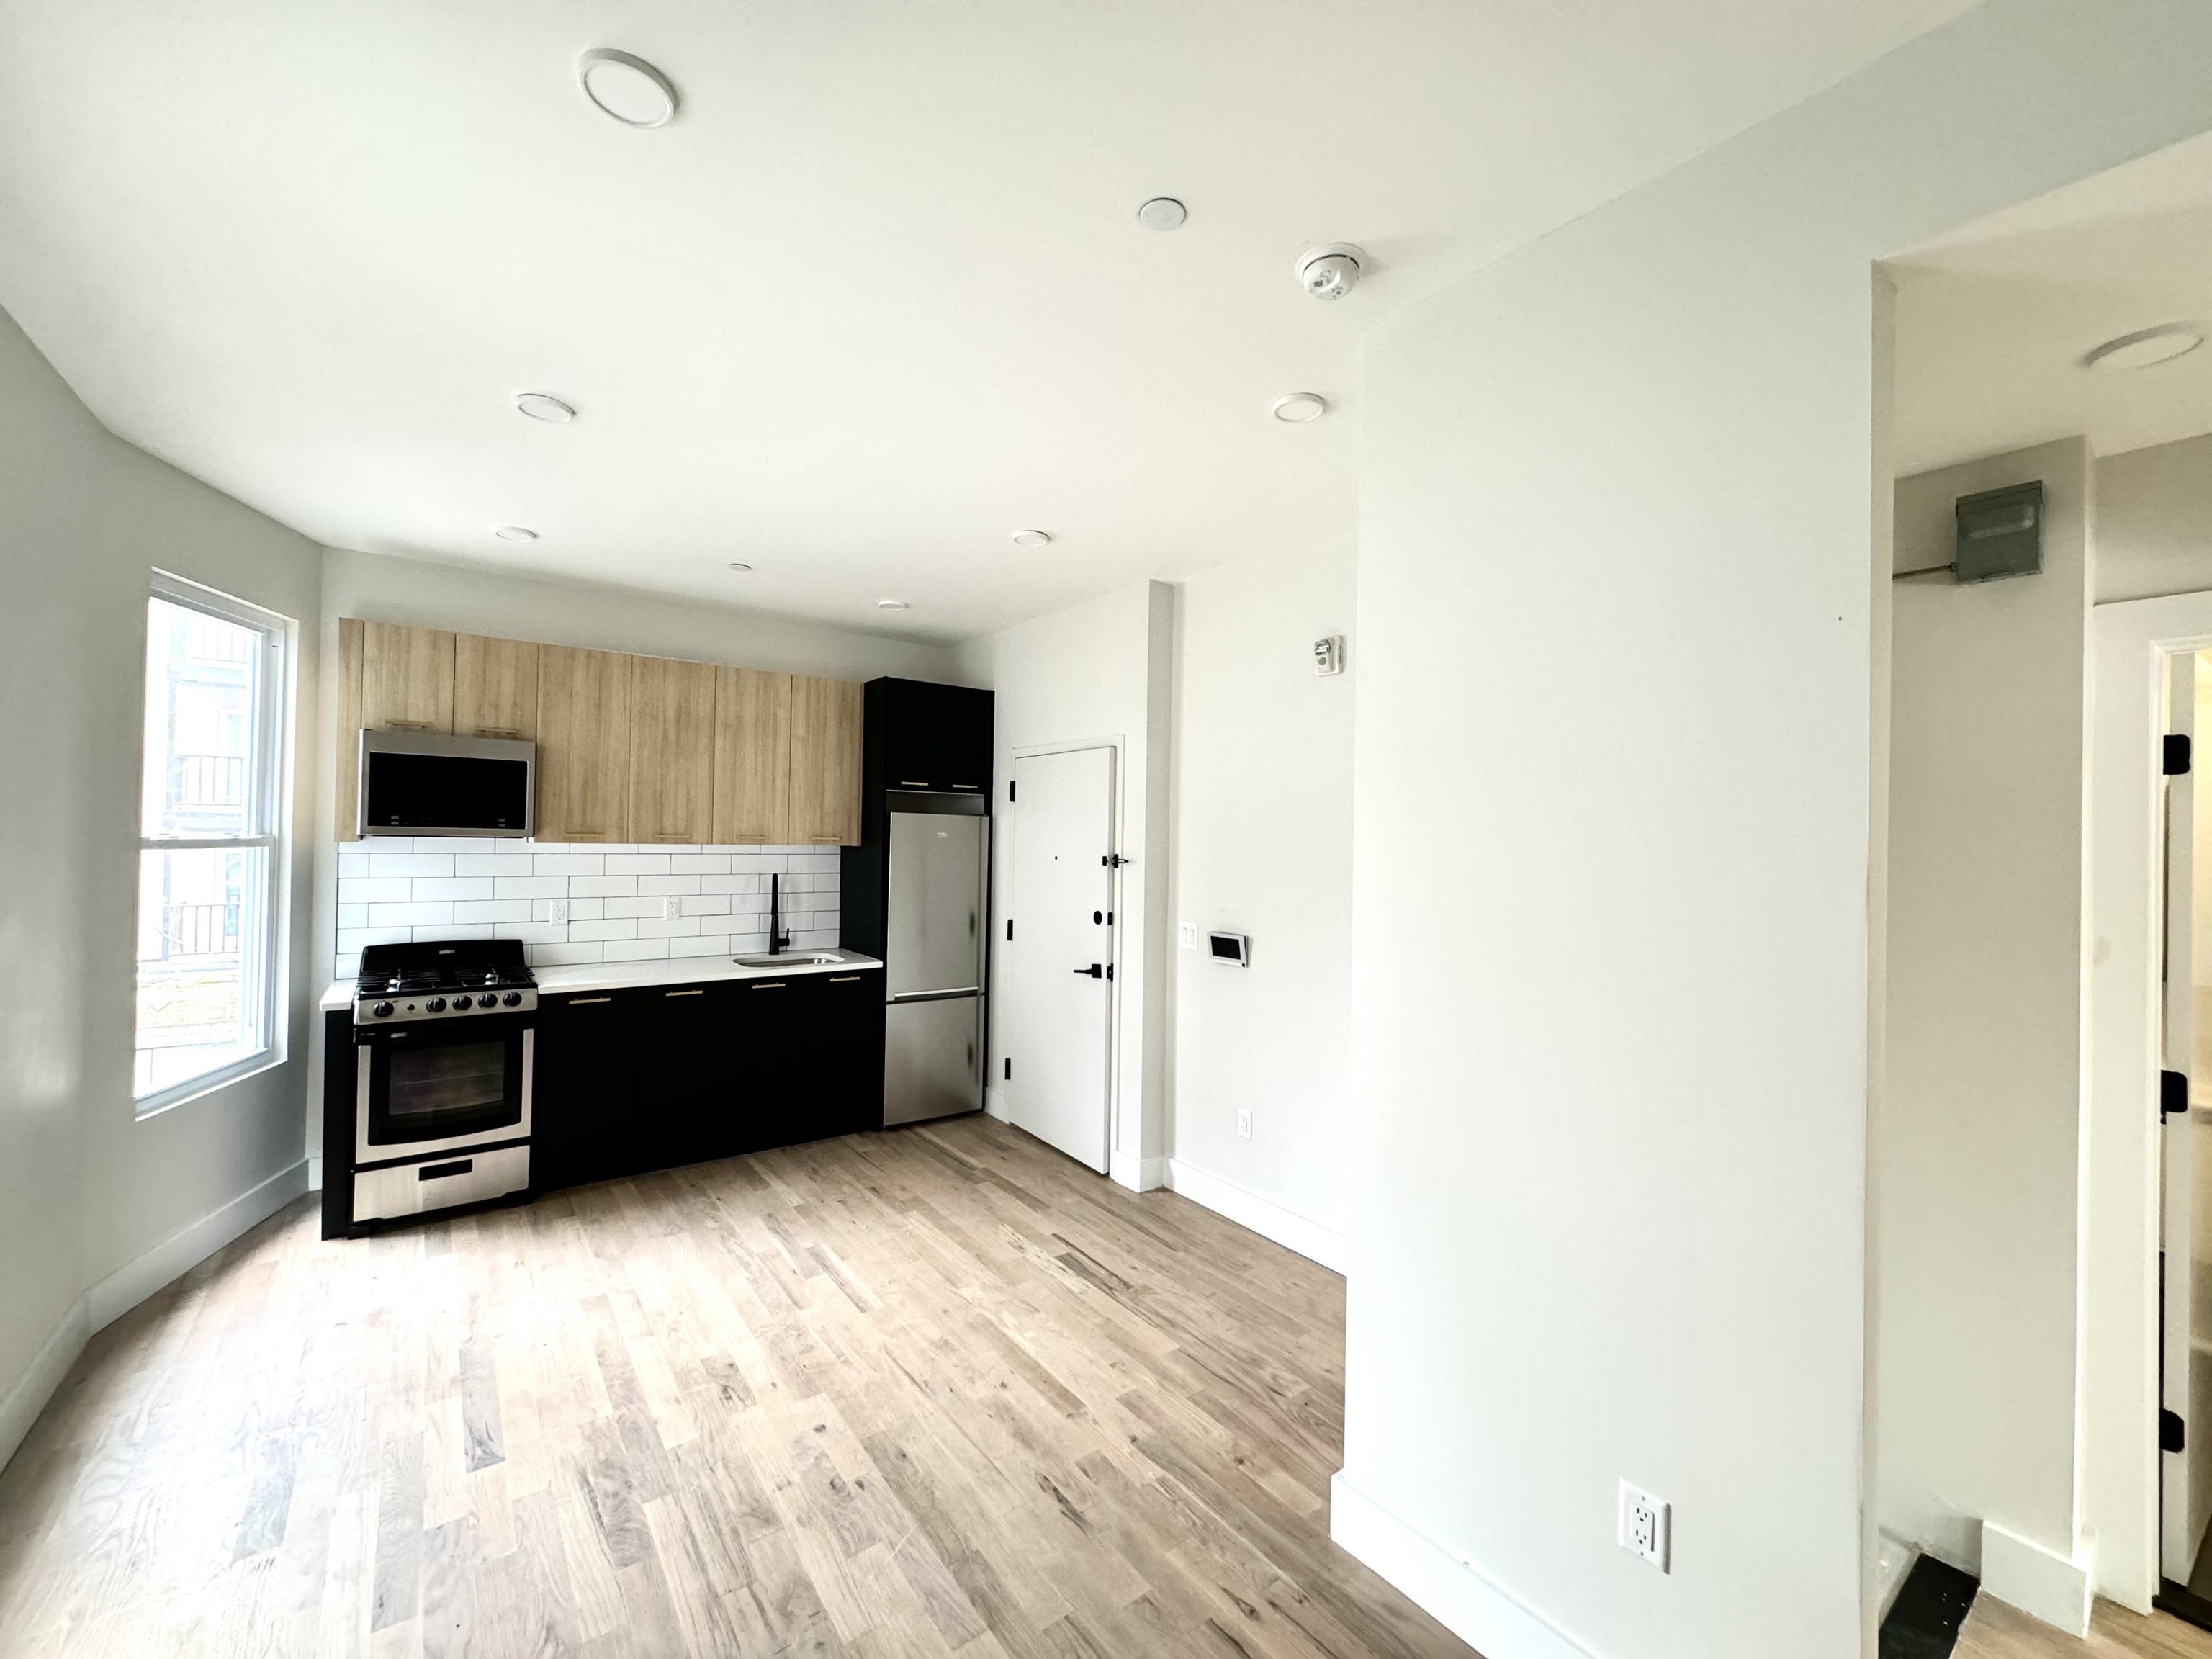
1262, 1215
2117, 1417
2037, 1581
41, 1378
185, 1249
1444, 1585
1138, 1175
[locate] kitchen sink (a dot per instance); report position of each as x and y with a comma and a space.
790, 959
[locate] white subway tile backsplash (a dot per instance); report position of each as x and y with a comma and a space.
397, 888
410, 864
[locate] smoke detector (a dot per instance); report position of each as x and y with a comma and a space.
1328, 272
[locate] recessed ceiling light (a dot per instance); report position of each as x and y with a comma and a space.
1162, 213
738, 566
1300, 406
540, 406
1032, 538
514, 533
890, 604
629, 88
2145, 346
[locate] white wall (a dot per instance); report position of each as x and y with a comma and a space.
1103, 671
1616, 619
2154, 520
1979, 1175
101, 1206
1263, 847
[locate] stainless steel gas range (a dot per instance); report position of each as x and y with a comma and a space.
444, 1042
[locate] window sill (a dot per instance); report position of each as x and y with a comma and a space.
179, 1094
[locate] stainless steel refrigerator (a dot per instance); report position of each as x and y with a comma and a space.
934, 922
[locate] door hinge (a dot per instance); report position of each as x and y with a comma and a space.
2176, 757
1010, 1068
2171, 1434
2172, 1094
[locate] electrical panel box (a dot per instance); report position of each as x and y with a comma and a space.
2000, 532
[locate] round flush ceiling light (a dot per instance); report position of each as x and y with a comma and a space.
890, 604
629, 88
1032, 538
1162, 213
739, 566
2145, 346
1300, 406
541, 406
514, 533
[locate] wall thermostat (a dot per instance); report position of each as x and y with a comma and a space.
1235, 949
1328, 655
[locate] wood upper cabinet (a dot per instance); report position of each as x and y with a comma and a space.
672, 761
348, 815
495, 687
752, 757
584, 734
825, 761
406, 677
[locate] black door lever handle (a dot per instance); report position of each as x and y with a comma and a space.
1095, 971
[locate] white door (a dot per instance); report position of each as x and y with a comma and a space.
1056, 1001
2185, 1364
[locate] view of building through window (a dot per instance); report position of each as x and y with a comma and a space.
206, 862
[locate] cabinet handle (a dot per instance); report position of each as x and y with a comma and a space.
833, 840
844, 979
493, 732
412, 726
701, 992
914, 783
966, 785
578, 1002
772, 985
673, 836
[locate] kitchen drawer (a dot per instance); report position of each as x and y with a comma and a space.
439, 1184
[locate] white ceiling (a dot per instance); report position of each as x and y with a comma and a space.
1993, 321
873, 301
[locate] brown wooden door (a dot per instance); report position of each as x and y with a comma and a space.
671, 763
406, 677
584, 731
825, 762
495, 687
752, 757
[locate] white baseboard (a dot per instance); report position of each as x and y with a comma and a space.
1138, 1175
315, 1175
994, 1103
140, 1277
1893, 1559
1447, 1587
1262, 1215
2052, 1587
41, 1377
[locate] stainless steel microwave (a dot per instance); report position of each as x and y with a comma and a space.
432, 783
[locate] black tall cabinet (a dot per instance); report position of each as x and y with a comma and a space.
917, 737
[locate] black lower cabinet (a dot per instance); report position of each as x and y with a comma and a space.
650, 1077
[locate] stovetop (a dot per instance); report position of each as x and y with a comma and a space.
430, 980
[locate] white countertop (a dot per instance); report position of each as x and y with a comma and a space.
661, 970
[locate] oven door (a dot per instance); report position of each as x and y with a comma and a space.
436, 1084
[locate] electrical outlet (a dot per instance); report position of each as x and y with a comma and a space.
1244, 1122
1187, 935
1646, 1523
671, 908
557, 911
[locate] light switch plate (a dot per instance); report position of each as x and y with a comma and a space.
1187, 935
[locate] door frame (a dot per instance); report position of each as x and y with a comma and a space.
2118, 1321
1118, 839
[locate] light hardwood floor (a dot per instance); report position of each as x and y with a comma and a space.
928, 1393
1994, 1631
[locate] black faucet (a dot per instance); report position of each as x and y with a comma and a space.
778, 940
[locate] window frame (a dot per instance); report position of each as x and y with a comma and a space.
263, 970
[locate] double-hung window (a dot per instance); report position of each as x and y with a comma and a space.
211, 862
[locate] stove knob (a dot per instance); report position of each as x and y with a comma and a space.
435, 1006
512, 999
382, 1011
462, 1005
